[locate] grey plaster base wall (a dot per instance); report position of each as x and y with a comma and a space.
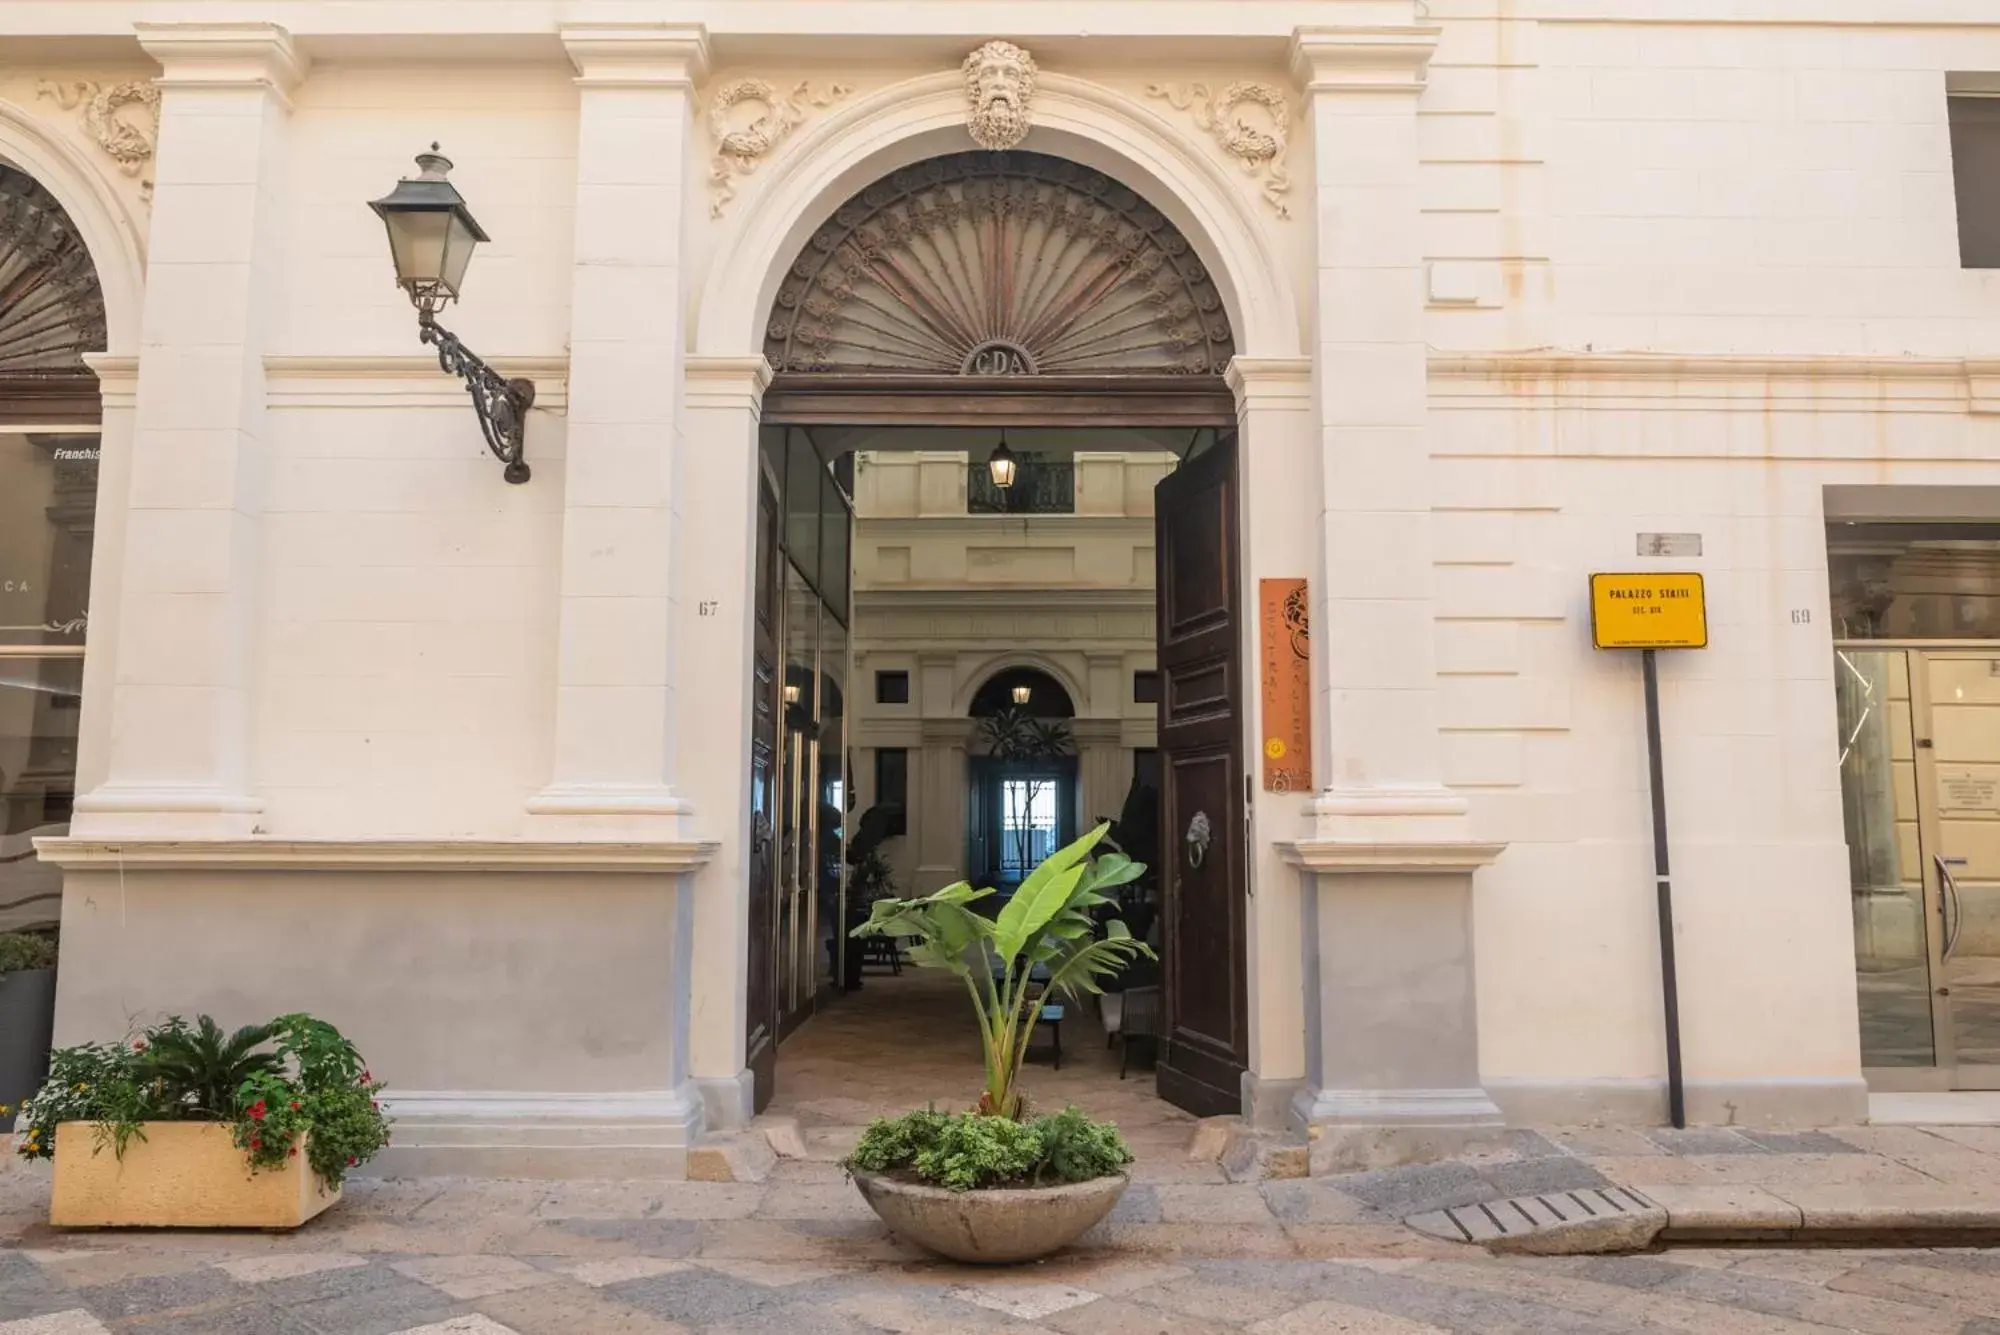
1396, 1007
1267, 1103
508, 1012
1790, 1104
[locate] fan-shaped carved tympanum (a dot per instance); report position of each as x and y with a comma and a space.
51, 309
999, 264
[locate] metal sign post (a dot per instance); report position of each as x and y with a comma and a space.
1650, 612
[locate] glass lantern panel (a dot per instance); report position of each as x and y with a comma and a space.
418, 242
458, 246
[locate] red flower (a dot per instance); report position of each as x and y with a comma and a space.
138, 1045
366, 1078
256, 1144
351, 1160
376, 1106
295, 1105
257, 1111
293, 1152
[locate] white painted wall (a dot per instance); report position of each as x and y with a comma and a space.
1676, 276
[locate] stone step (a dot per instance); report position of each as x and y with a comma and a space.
1245, 1154
731, 1156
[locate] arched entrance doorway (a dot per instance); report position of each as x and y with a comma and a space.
1018, 289
51, 314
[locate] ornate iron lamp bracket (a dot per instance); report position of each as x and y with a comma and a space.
501, 404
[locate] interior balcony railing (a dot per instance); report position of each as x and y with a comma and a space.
1042, 486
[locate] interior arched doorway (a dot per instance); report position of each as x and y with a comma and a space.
1022, 799
978, 292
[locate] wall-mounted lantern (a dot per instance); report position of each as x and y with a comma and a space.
1023, 694
431, 238
1000, 465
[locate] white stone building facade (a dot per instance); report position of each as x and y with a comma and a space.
1508, 284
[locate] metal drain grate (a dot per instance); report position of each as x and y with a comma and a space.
1588, 1219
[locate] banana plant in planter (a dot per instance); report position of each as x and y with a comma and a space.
994, 1183
188, 1126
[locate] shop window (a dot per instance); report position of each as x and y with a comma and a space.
48, 492
1975, 162
51, 315
1914, 581
892, 688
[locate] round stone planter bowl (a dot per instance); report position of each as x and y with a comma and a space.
992, 1227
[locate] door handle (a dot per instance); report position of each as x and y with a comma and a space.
1950, 911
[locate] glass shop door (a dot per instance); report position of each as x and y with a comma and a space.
1920, 785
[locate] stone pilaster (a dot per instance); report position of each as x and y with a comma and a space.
178, 760
713, 669
1386, 919
1373, 615
614, 751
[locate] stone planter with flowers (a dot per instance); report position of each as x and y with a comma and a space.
185, 1126
995, 1183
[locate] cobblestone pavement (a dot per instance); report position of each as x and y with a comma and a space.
801, 1255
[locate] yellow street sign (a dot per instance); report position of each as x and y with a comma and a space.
1648, 611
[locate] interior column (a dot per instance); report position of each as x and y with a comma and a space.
614, 751
178, 760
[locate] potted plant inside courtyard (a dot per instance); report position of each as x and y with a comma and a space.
187, 1126
996, 1182
27, 1015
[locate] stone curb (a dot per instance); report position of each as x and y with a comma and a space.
1824, 1213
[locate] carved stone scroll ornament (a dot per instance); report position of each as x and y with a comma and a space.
1261, 149
999, 88
739, 145
123, 119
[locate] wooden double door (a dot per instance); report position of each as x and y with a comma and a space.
1204, 787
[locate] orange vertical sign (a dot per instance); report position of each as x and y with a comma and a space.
1286, 673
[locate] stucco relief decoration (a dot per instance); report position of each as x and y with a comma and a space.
1251, 121
999, 88
747, 119
1006, 263
123, 119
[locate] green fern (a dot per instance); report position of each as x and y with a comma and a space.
969, 1151
197, 1069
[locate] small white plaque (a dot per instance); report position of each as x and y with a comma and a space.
1670, 544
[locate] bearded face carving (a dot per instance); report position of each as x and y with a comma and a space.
999, 82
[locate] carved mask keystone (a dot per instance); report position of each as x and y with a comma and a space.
999, 86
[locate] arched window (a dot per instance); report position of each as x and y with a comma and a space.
51, 313
999, 265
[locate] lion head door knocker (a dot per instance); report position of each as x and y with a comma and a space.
1199, 835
